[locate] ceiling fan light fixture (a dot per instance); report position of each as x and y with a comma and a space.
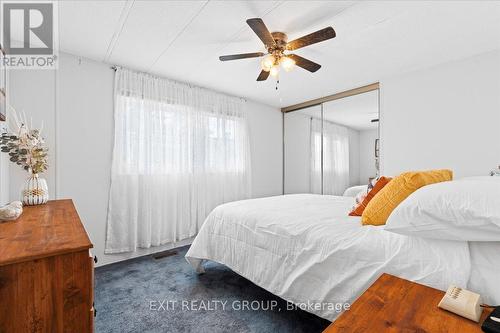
268, 62
274, 70
287, 63
276, 45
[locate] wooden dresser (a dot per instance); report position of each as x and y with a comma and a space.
46, 271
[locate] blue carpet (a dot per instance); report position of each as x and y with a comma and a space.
166, 295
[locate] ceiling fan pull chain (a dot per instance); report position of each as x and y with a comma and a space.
277, 83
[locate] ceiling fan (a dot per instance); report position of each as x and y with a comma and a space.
277, 47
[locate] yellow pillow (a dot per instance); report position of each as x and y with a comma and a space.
381, 206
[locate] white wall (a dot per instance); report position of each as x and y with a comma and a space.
446, 116
367, 167
85, 142
32, 92
76, 104
4, 161
4, 174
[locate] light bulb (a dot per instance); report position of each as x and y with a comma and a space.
267, 63
274, 70
287, 63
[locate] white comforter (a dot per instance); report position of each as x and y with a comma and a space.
304, 247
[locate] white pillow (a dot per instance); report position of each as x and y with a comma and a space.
467, 209
355, 190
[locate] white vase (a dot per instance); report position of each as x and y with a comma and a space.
35, 191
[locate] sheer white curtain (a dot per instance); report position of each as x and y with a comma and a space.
335, 157
179, 151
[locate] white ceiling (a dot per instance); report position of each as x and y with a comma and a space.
182, 40
355, 112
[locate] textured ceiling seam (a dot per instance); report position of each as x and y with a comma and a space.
191, 20
119, 28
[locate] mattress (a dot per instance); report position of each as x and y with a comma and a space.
305, 249
485, 271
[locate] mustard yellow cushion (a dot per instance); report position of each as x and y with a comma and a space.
381, 206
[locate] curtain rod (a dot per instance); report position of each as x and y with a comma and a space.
115, 68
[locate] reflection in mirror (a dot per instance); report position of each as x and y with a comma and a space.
300, 133
350, 130
331, 147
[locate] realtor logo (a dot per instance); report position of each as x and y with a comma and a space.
29, 34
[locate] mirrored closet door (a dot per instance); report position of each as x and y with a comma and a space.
302, 151
332, 146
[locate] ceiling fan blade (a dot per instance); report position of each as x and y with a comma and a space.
315, 37
263, 76
240, 56
261, 30
309, 65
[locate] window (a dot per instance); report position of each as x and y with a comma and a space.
179, 152
163, 138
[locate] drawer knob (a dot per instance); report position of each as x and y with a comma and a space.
95, 259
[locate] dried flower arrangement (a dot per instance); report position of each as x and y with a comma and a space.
26, 148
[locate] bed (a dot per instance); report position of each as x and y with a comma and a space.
305, 249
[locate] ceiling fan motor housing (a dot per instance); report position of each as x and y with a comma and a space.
280, 38
277, 50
